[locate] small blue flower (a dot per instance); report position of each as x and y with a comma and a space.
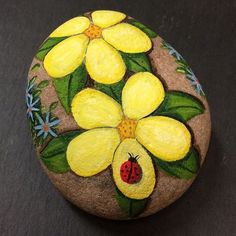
31, 106
194, 81
197, 87
30, 85
45, 126
190, 74
173, 52
184, 68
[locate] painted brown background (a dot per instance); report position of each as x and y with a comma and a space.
204, 32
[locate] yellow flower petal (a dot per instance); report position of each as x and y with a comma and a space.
92, 151
104, 64
92, 108
127, 38
164, 137
105, 18
141, 95
66, 56
73, 26
145, 186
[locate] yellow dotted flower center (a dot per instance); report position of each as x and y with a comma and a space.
126, 128
93, 32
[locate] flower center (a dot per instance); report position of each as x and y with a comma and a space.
126, 128
93, 32
45, 127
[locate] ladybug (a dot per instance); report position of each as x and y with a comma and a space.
130, 171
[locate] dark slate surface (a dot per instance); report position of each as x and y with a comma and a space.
204, 32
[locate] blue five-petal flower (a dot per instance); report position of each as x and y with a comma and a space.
31, 106
173, 52
44, 127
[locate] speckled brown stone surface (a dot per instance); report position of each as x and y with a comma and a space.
204, 33
96, 194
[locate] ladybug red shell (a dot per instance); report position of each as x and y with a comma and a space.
130, 171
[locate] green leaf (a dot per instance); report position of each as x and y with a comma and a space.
35, 67
180, 106
33, 79
131, 207
67, 87
77, 82
54, 154
113, 90
57, 163
142, 27
53, 106
43, 84
181, 70
47, 46
136, 62
62, 88
37, 93
182, 63
43, 109
186, 168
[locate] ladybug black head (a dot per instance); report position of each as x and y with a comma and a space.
133, 158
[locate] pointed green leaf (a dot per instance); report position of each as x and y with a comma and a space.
53, 106
43, 84
33, 79
186, 168
47, 46
54, 154
43, 109
142, 27
182, 63
62, 87
131, 207
180, 106
57, 163
67, 87
77, 82
35, 67
136, 62
113, 90
37, 93
59, 144
181, 70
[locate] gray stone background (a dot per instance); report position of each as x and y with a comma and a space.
204, 33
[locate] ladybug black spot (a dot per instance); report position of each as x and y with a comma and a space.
122, 171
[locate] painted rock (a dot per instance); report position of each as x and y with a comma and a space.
120, 122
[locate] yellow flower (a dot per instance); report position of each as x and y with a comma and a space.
96, 42
114, 131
